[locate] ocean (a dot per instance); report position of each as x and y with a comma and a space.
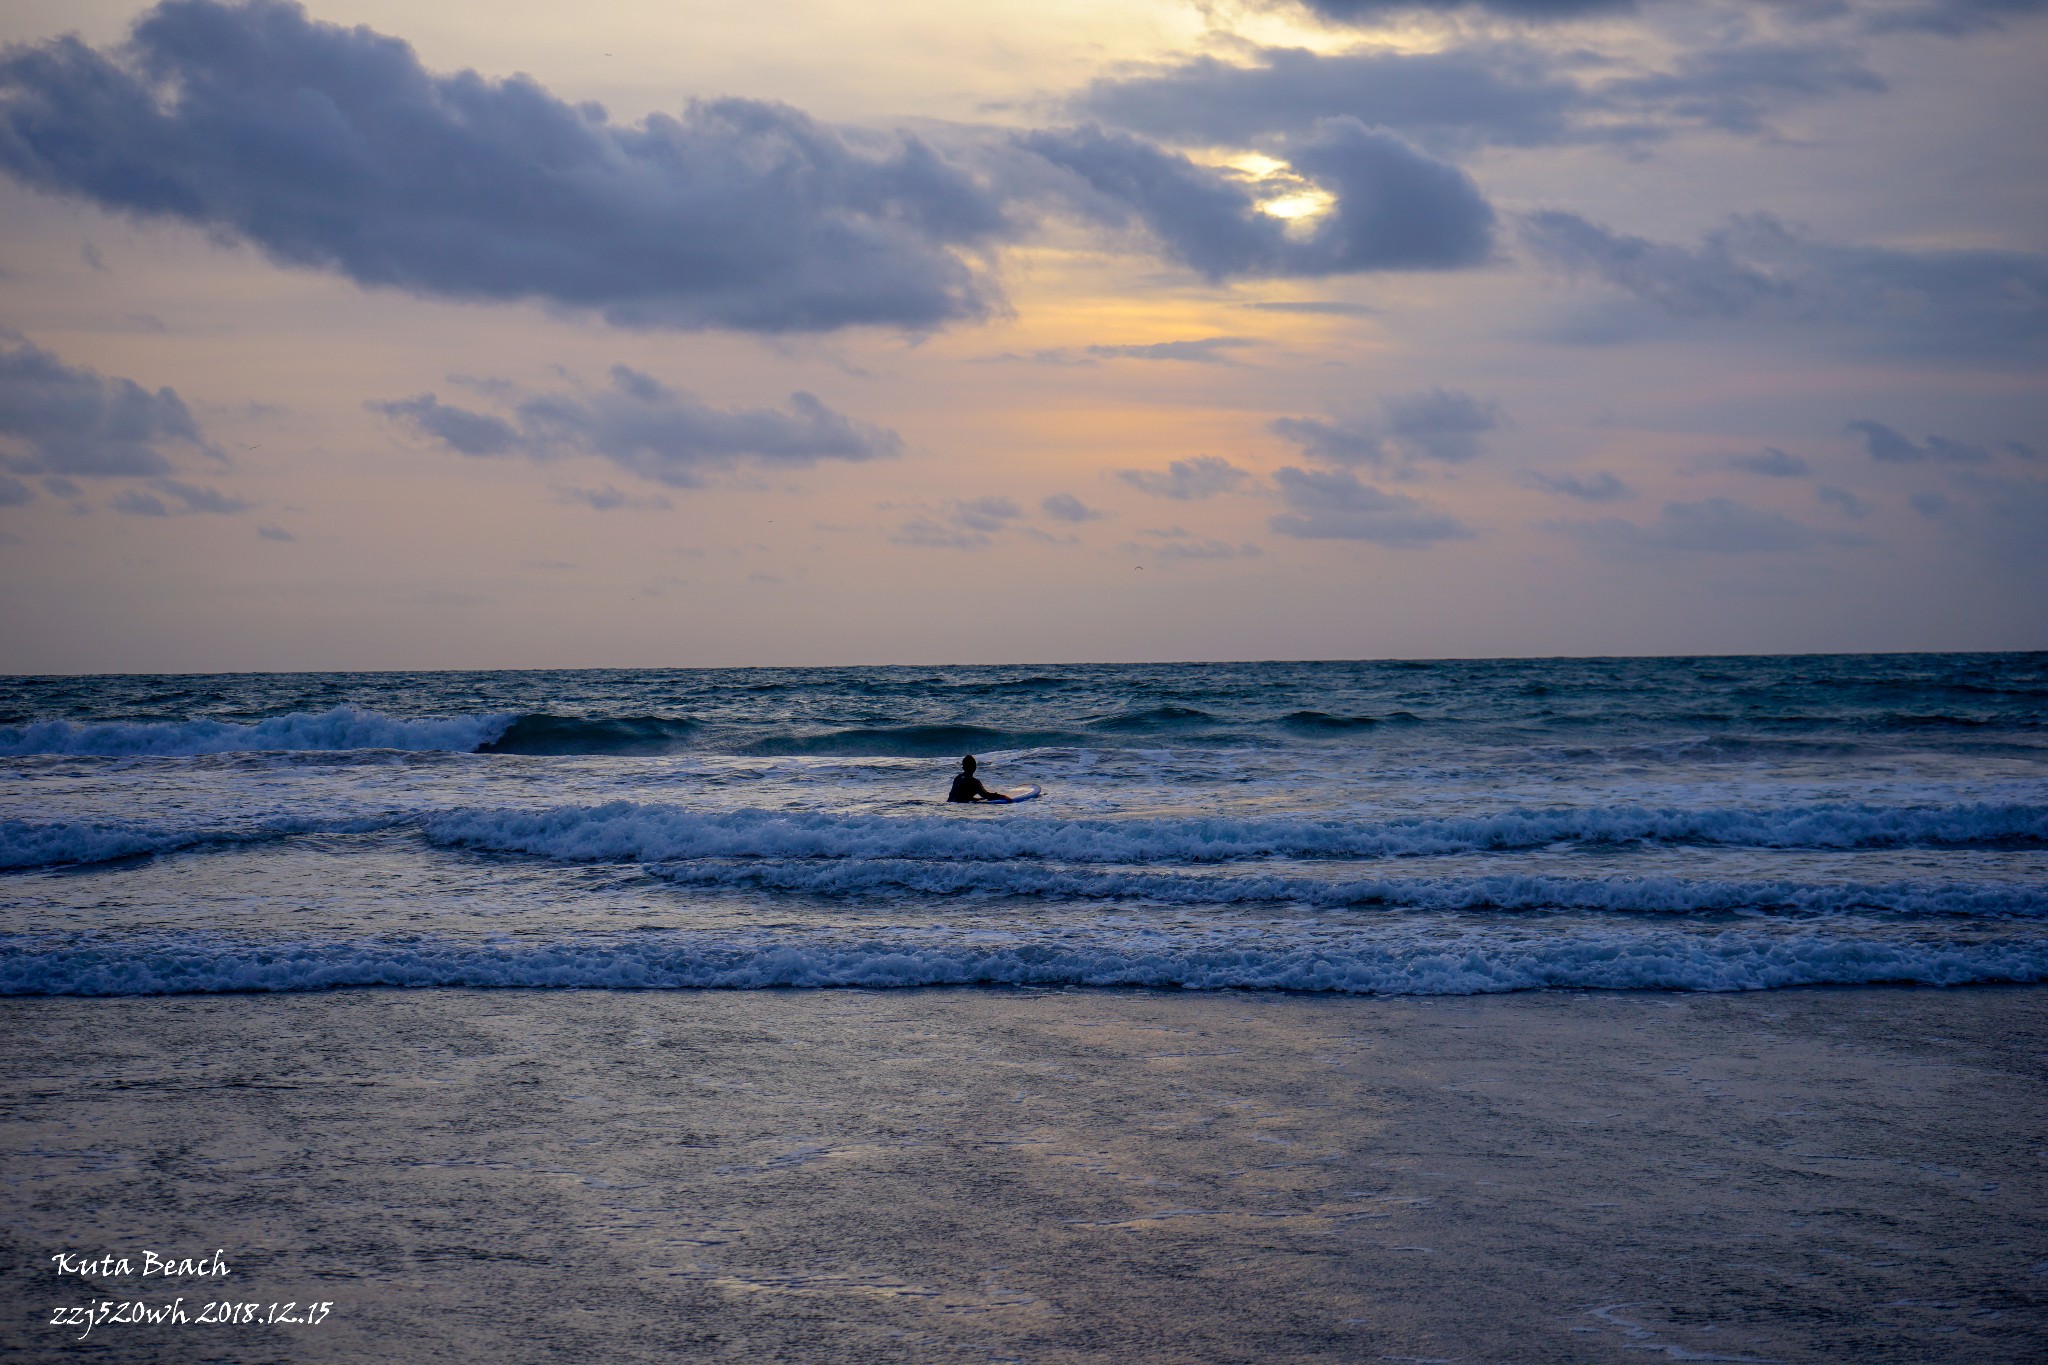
1397, 827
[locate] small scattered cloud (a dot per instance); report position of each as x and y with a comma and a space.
961, 524
1182, 547
1714, 526
1067, 507
610, 499
1334, 505
136, 503
646, 428
986, 513
277, 533
1202, 351
61, 420
1931, 504
1602, 486
14, 493
1955, 302
1317, 307
1434, 424
1843, 501
1772, 463
184, 498
1190, 480
1888, 446
1441, 424
197, 499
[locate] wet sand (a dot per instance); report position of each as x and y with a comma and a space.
980, 1175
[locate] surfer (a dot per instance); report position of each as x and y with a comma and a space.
967, 787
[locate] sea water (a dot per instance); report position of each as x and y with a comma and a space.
1446, 827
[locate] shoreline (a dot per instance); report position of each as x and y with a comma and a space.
947, 1174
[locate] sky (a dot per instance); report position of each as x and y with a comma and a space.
367, 335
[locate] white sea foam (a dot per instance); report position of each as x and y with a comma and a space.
1411, 965
343, 728
33, 843
1657, 895
629, 831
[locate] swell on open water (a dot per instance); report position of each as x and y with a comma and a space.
1394, 827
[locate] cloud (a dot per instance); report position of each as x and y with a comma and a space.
1203, 351
610, 499
1458, 97
463, 431
1200, 351
61, 419
1395, 208
136, 503
643, 426
1343, 441
1843, 500
1942, 302
1772, 463
1600, 487
1067, 507
1334, 505
1442, 424
1433, 424
189, 498
962, 524
1950, 18
197, 499
332, 148
14, 493
1712, 526
1318, 306
985, 514
1375, 11
1203, 476
277, 533
1480, 91
1736, 88
1191, 548
1887, 446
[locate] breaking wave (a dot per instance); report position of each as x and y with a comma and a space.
344, 727
1512, 892
632, 832
1386, 965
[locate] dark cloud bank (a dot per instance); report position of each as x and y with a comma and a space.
334, 148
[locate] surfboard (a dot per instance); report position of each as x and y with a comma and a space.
1030, 793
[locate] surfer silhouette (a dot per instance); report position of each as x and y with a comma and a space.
967, 787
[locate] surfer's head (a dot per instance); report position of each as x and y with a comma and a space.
967, 764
